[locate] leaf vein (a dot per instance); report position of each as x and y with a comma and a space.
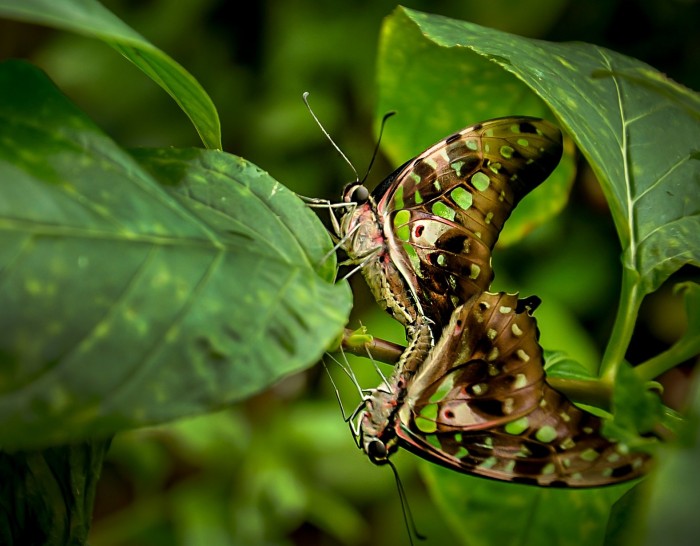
144, 367
667, 225
280, 222
624, 152
658, 181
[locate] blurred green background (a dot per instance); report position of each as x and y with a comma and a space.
282, 468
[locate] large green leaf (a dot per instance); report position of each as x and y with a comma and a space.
638, 129
483, 512
125, 301
92, 19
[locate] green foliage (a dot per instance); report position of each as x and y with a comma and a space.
673, 489
47, 496
687, 346
488, 513
90, 18
139, 286
614, 108
190, 294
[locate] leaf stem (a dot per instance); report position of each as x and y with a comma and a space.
670, 358
593, 392
627, 311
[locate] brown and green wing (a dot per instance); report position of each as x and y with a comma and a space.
479, 405
442, 212
480, 373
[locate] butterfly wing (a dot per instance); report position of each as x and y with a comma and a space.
495, 416
479, 373
442, 212
557, 445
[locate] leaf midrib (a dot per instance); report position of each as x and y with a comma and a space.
629, 209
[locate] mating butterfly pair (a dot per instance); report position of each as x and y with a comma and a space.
469, 390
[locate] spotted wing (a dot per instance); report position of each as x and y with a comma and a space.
489, 412
480, 373
554, 446
442, 212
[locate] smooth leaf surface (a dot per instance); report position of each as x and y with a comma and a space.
125, 301
92, 19
638, 130
560, 365
484, 512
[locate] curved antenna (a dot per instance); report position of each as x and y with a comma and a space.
305, 97
376, 146
405, 508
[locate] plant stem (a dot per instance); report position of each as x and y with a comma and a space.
590, 392
630, 300
375, 348
672, 357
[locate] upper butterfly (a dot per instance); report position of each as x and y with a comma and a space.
424, 236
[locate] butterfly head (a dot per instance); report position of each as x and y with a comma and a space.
377, 451
355, 192
360, 232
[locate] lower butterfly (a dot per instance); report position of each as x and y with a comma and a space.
479, 404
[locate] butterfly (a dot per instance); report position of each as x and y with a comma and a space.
423, 238
478, 403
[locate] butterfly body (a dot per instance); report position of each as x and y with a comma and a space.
385, 273
479, 404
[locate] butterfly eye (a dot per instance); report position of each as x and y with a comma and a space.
376, 450
357, 193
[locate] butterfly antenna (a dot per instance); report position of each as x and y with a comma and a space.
305, 97
335, 388
319, 203
405, 508
376, 146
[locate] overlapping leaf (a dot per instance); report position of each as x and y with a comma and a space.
92, 19
640, 133
125, 301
